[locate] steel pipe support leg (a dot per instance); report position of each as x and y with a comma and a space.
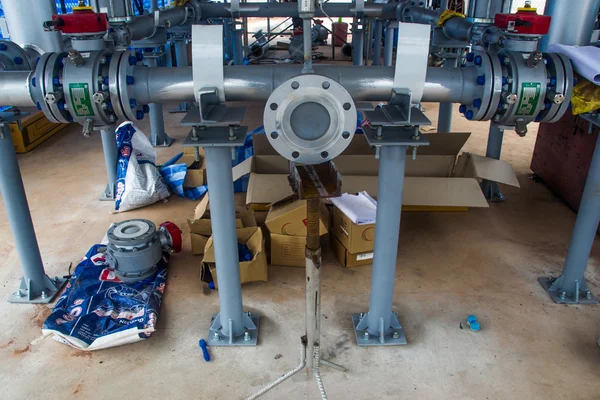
570, 287
490, 189
380, 326
231, 326
111, 157
377, 37
388, 50
357, 46
445, 113
158, 136
36, 286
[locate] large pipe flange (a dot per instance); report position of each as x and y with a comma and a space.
560, 87
121, 83
85, 78
53, 90
310, 119
489, 86
13, 57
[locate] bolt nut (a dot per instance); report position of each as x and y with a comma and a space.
44, 295
216, 336
563, 295
510, 98
100, 97
76, 58
247, 336
396, 335
52, 98
557, 98
366, 335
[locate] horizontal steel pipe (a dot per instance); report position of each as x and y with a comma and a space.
251, 83
143, 26
14, 89
217, 10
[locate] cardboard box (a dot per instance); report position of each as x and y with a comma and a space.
288, 250
355, 238
32, 131
195, 176
434, 181
250, 271
201, 228
288, 217
348, 259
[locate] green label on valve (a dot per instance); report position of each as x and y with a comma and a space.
81, 102
530, 95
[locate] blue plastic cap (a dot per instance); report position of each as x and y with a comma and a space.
139, 115
146, 108
139, 56
105, 80
70, 118
130, 80
469, 115
3, 47
475, 327
246, 61
132, 60
553, 81
38, 105
471, 318
33, 81
477, 103
56, 81
110, 106
61, 105
18, 60
504, 81
462, 108
61, 64
481, 80
547, 105
132, 103
470, 57
211, 285
477, 60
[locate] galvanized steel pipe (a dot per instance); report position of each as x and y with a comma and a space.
571, 23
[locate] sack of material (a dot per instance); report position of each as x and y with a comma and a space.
98, 310
139, 183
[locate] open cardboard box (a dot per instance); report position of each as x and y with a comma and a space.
434, 181
200, 225
286, 223
194, 177
254, 270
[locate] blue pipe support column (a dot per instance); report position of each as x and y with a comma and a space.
182, 60
36, 286
238, 46
570, 287
380, 326
490, 189
445, 112
230, 325
377, 37
111, 157
158, 136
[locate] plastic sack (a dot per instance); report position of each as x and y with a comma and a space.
139, 183
586, 97
174, 174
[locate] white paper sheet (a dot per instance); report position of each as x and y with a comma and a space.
360, 208
585, 59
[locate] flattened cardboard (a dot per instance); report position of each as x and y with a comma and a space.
434, 180
254, 270
355, 238
288, 217
288, 250
348, 259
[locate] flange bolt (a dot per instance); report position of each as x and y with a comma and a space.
139, 115
477, 60
470, 57
462, 109
477, 103
481, 80
469, 115
130, 80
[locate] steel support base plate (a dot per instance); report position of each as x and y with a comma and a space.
167, 141
569, 298
217, 136
22, 295
237, 341
396, 337
107, 195
491, 191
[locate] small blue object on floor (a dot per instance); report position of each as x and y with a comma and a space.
203, 346
473, 323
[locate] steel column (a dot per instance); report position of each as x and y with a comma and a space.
182, 60
158, 136
571, 287
572, 22
238, 46
490, 189
377, 36
307, 41
231, 322
388, 50
445, 112
380, 323
36, 286
357, 45
111, 157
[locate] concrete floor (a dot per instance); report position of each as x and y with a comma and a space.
484, 262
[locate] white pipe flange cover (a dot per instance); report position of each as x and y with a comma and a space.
310, 119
